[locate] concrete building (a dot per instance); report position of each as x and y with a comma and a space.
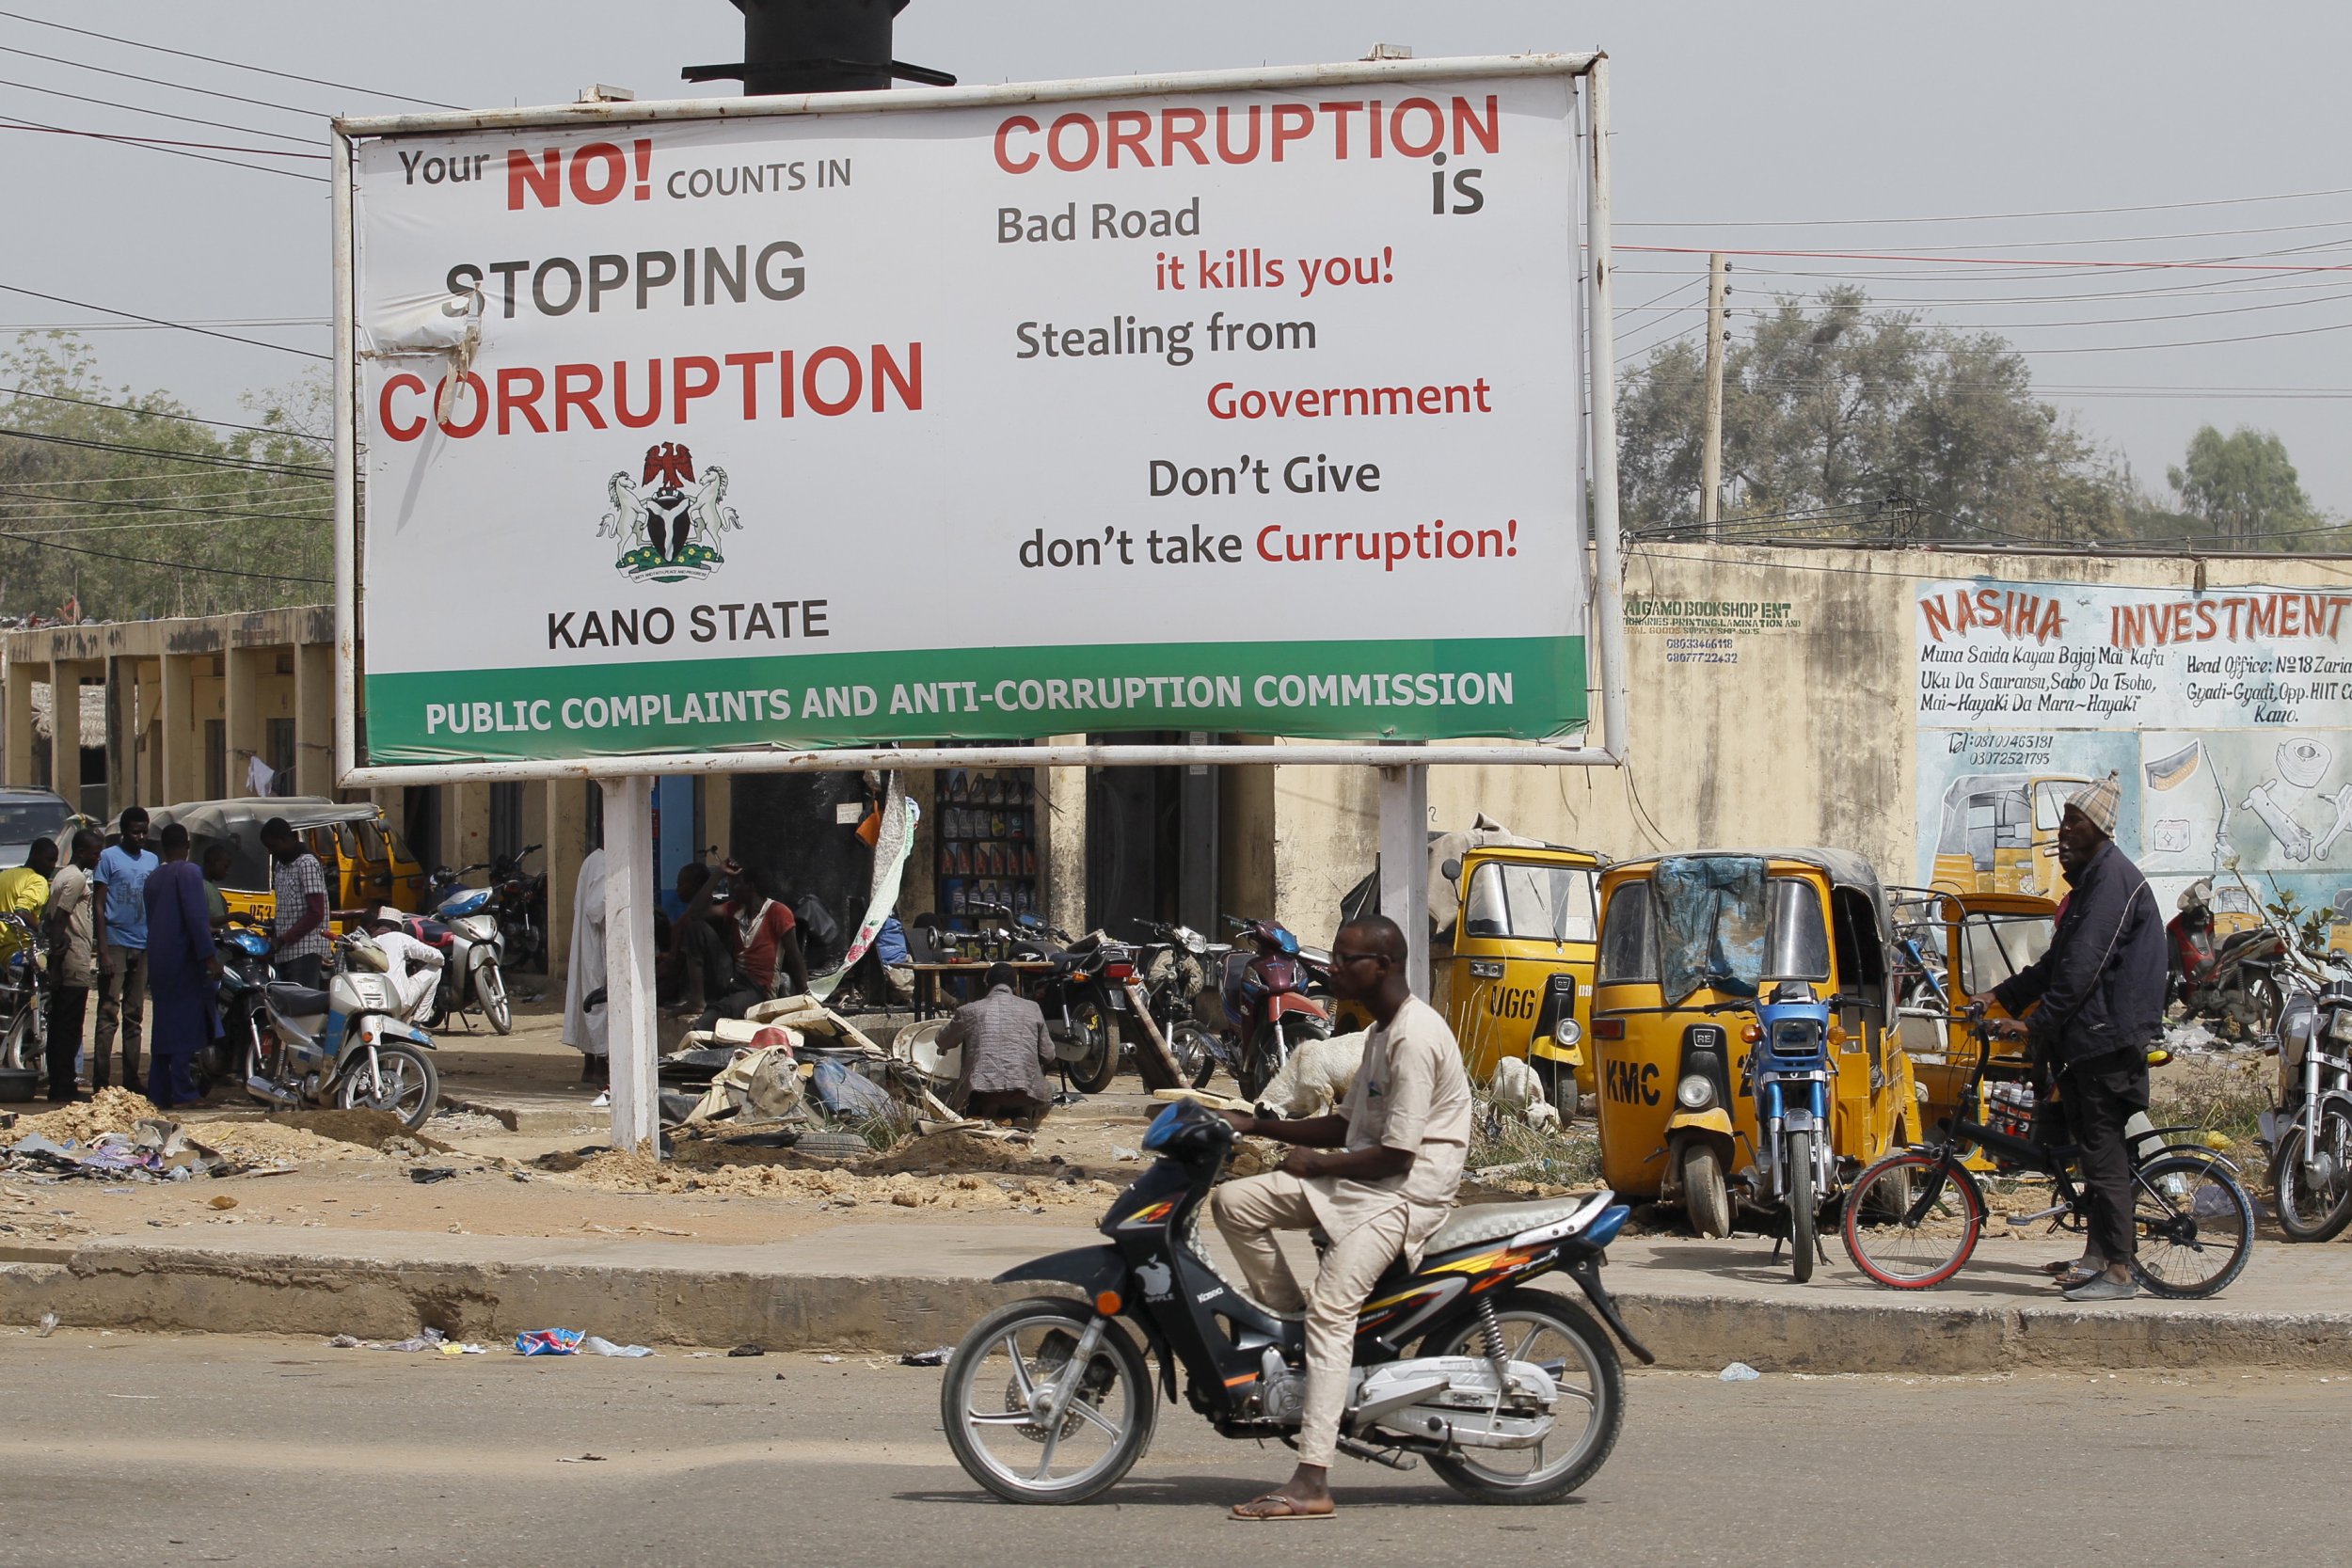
1777, 696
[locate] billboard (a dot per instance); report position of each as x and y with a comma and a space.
2226, 715
1254, 409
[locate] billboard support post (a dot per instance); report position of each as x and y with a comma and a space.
630, 1029
1404, 864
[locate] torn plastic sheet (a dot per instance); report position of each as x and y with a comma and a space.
1711, 921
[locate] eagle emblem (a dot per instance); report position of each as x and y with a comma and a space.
666, 526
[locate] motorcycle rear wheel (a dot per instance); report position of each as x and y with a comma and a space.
404, 1084
1023, 1349
1562, 1339
1093, 1072
23, 1046
491, 991
2315, 1209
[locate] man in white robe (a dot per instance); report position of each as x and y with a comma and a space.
584, 1028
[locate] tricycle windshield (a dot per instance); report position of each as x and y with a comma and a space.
1995, 946
1542, 903
1797, 940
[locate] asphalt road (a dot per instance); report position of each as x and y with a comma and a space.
132, 1450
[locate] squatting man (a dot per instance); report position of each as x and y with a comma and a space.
1397, 1142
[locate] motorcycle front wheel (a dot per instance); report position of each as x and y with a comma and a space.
1797, 1149
491, 991
1560, 1336
1011, 1373
404, 1083
1093, 1072
23, 1047
2314, 1193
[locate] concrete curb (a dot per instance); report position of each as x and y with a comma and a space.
701, 1301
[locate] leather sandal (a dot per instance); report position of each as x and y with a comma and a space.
1274, 1506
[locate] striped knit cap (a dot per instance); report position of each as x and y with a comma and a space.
2099, 801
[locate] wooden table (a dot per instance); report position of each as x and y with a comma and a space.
928, 978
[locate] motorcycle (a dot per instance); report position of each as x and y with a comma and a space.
2234, 982
1175, 970
24, 995
519, 900
1087, 984
1267, 1010
245, 970
1788, 1075
1512, 1395
464, 924
2310, 1133
345, 1047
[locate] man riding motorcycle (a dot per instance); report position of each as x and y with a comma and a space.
1400, 1137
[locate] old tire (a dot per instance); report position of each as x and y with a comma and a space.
1705, 1198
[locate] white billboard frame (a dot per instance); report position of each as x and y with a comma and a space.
1597, 437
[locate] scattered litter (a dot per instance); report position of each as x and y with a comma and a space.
749, 1350
1125, 1155
222, 1200
583, 1459
829, 1360
344, 1341
548, 1341
425, 1339
1739, 1372
927, 1357
48, 1325
595, 1344
426, 1174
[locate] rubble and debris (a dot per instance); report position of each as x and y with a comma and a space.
48, 1325
927, 1357
595, 1344
548, 1341
1739, 1372
424, 1175
748, 1350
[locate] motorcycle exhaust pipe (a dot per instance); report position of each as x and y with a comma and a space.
270, 1091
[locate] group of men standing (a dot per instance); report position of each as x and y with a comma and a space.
138, 927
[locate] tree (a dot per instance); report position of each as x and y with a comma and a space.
1867, 422
119, 502
2243, 488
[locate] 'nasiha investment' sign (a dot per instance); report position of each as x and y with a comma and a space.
1229, 411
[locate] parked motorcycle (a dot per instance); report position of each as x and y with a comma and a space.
245, 972
1790, 1074
464, 926
24, 995
2233, 982
1267, 1010
1512, 1395
345, 1047
1175, 971
1086, 986
519, 900
2310, 1133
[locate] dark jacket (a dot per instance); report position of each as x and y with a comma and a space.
2100, 985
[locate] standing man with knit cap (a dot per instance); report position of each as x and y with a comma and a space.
2100, 992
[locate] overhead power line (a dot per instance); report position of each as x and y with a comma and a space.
161, 113
146, 144
1977, 218
16, 124
160, 81
158, 320
44, 544
301, 471
161, 414
1999, 261
233, 65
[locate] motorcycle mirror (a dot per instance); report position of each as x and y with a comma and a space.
1451, 869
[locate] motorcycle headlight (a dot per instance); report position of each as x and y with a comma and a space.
2339, 1029
1694, 1092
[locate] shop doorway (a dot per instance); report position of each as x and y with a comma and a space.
1152, 843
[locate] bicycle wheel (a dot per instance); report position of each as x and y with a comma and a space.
2195, 1226
1924, 1242
2315, 1188
1797, 1150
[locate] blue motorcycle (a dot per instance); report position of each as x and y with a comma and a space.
1790, 1074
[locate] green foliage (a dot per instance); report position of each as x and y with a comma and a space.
2242, 489
1902, 429
68, 510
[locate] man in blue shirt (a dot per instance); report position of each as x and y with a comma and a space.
120, 930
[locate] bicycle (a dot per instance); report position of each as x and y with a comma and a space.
1912, 1220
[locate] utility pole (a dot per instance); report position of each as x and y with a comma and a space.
1711, 454
817, 46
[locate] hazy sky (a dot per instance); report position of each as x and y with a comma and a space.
1744, 127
